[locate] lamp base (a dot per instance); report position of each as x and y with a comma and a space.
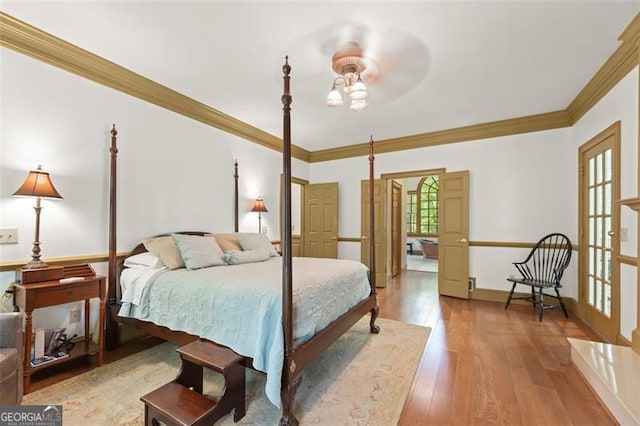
35, 264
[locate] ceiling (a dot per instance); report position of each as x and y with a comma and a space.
441, 64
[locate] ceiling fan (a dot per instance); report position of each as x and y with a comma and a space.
377, 65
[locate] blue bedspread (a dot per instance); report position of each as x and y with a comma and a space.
240, 306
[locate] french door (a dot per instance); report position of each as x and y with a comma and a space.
599, 240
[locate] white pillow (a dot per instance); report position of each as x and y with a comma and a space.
252, 241
235, 257
143, 260
199, 252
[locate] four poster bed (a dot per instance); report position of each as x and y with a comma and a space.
288, 341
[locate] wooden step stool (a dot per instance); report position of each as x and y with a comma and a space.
181, 402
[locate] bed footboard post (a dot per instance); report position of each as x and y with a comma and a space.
287, 397
289, 384
373, 328
372, 242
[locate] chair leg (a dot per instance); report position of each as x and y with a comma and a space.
540, 305
564, 309
510, 296
533, 296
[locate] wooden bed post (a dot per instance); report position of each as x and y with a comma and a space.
372, 241
289, 383
111, 327
235, 197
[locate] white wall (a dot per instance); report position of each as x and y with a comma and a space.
621, 103
173, 173
518, 192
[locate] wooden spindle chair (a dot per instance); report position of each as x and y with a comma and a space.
542, 270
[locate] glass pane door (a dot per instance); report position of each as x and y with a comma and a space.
599, 232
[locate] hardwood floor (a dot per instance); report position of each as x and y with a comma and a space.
482, 365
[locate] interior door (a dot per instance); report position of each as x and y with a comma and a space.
453, 235
297, 214
321, 220
396, 228
599, 242
379, 226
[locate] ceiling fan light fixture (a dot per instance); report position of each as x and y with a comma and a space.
349, 62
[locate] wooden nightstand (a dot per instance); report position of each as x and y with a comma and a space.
50, 293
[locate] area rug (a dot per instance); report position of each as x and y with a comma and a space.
362, 379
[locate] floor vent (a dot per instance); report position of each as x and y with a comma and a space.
472, 283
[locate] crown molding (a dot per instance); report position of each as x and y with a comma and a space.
631, 34
619, 64
531, 123
31, 41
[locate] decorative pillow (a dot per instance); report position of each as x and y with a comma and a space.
199, 252
252, 241
165, 248
227, 242
234, 257
143, 260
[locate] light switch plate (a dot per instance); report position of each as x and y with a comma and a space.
9, 236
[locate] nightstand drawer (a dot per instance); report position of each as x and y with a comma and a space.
28, 276
65, 293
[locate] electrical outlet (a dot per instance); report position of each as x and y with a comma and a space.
9, 236
74, 316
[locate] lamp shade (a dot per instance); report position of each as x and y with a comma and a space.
258, 206
334, 98
358, 105
38, 184
358, 91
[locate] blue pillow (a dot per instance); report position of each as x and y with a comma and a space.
199, 252
252, 241
235, 257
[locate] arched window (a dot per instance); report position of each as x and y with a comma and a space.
412, 212
422, 207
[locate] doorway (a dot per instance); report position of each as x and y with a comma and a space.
298, 189
445, 219
421, 232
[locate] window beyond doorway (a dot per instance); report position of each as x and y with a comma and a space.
422, 207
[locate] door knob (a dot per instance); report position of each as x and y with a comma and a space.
609, 249
364, 237
611, 233
334, 238
461, 240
